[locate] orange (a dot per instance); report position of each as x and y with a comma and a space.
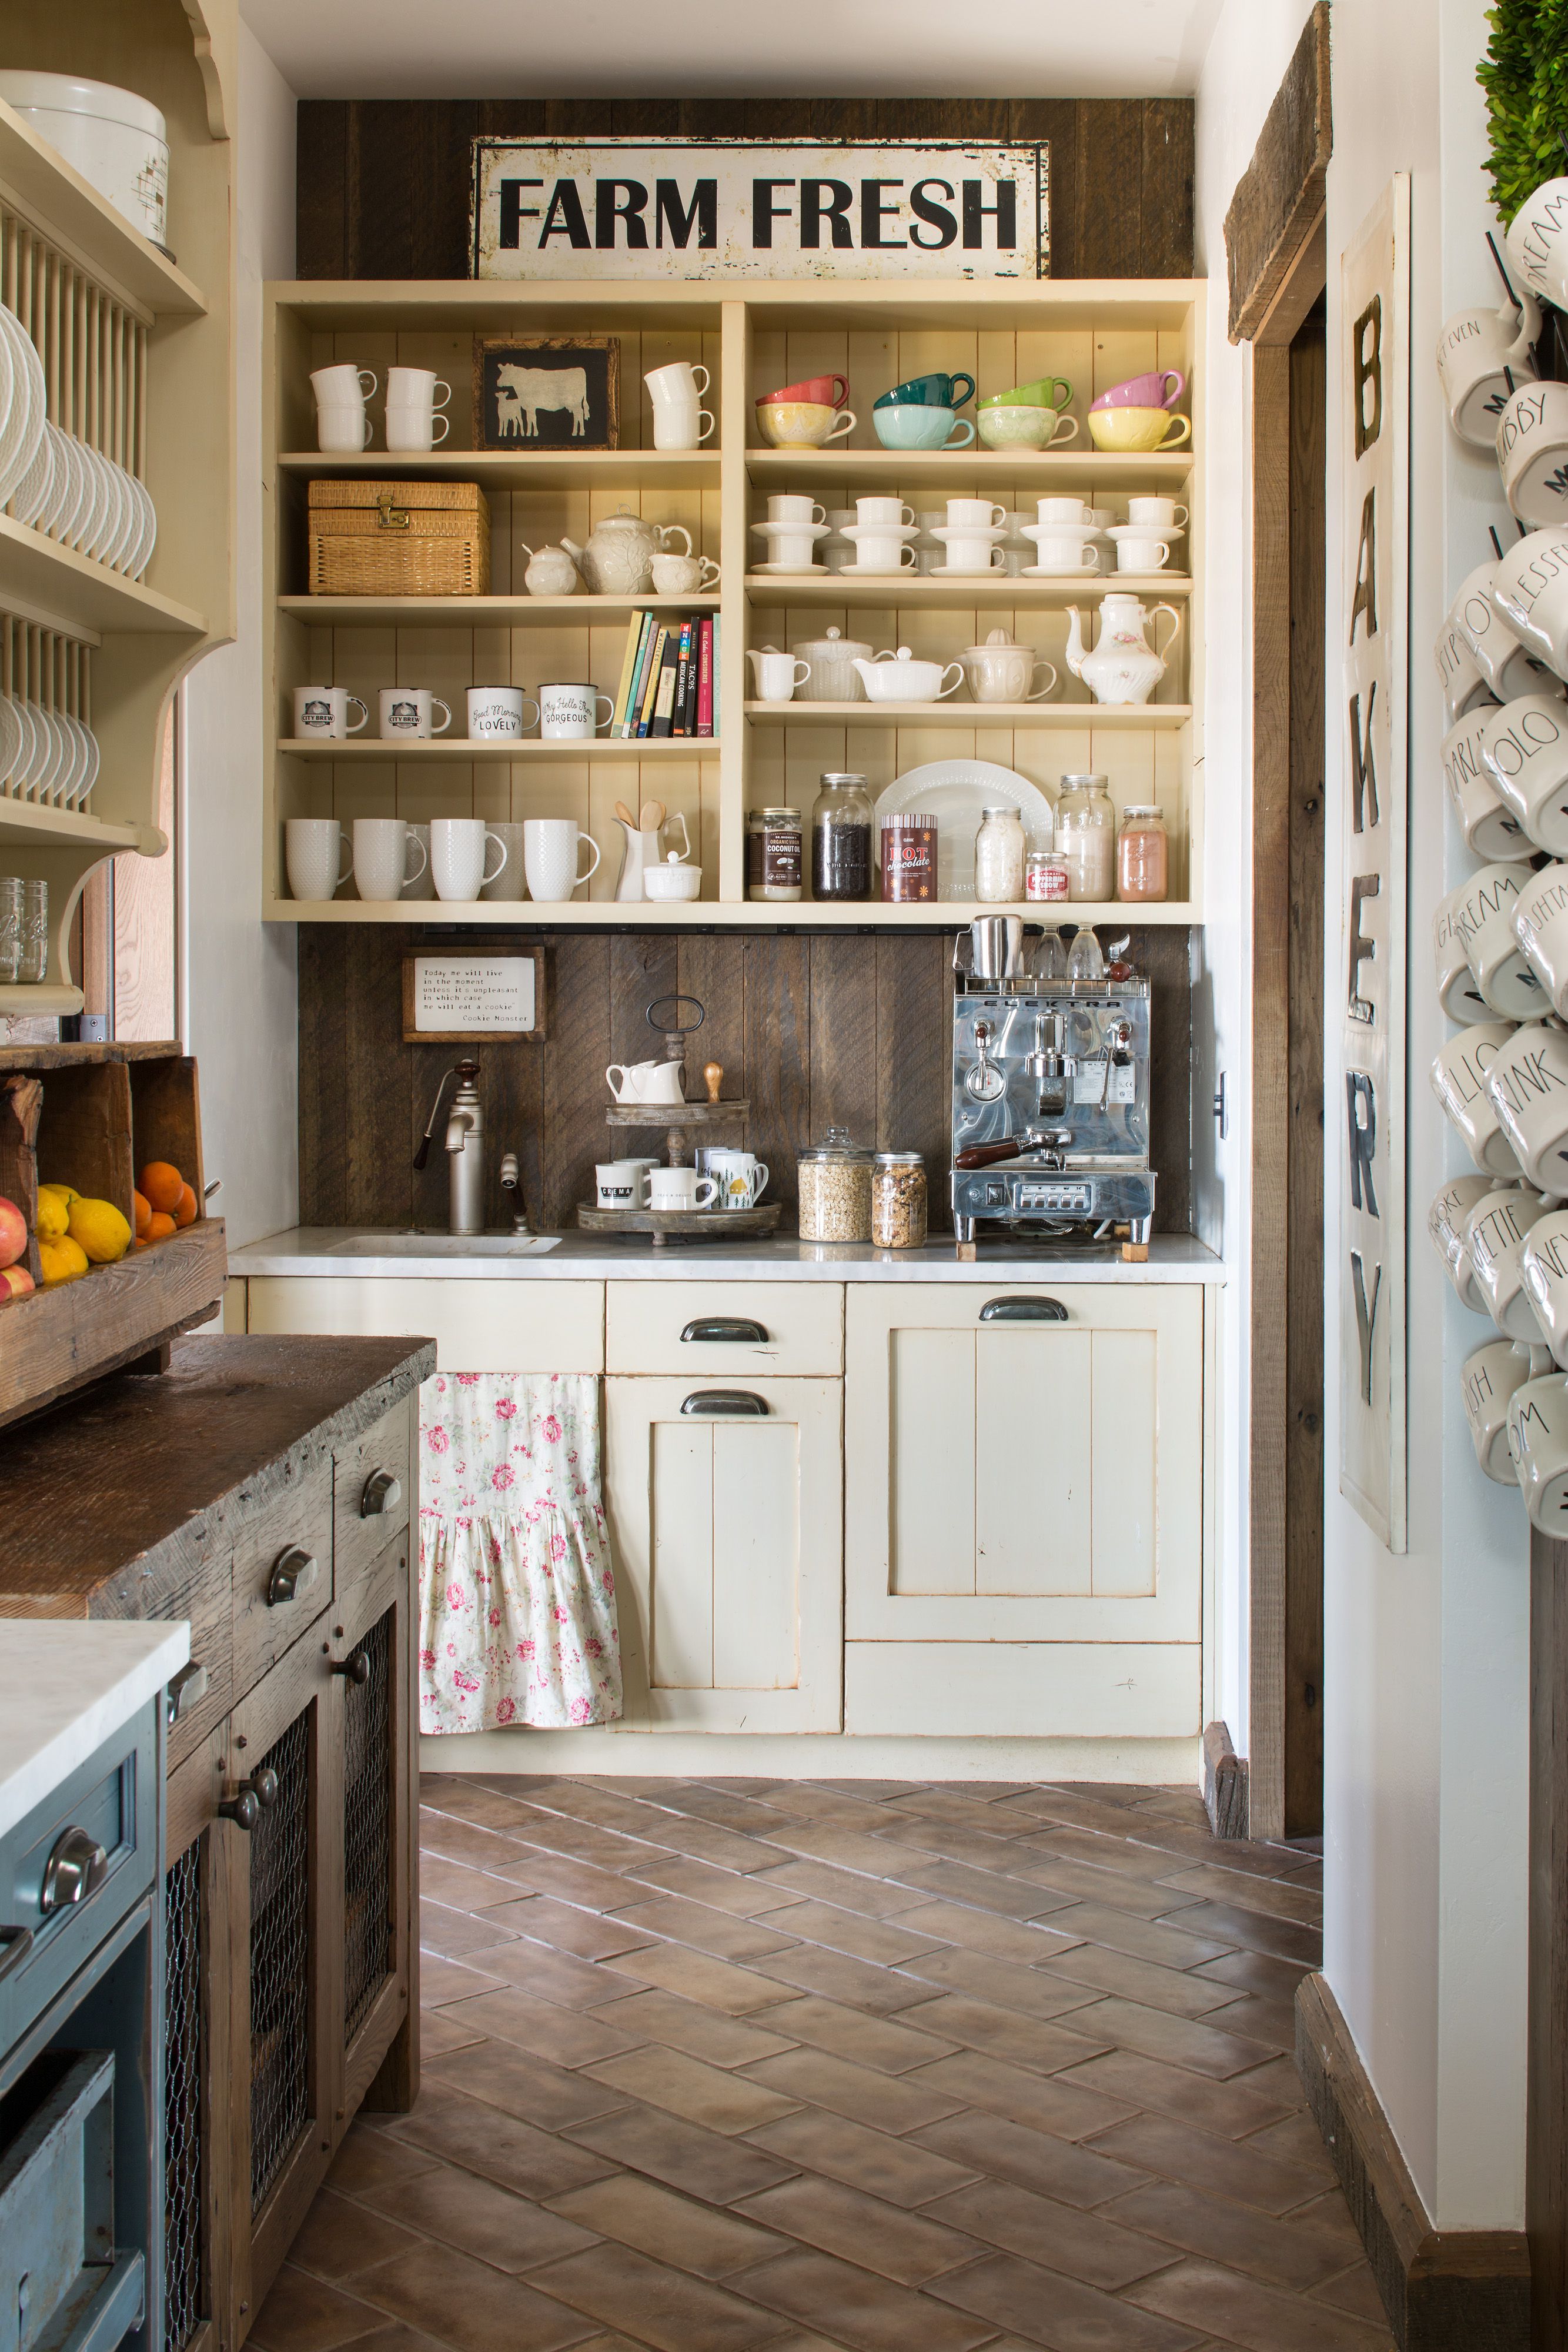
163, 1185
185, 1215
159, 1226
143, 1212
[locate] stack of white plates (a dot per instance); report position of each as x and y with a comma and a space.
46, 756
53, 481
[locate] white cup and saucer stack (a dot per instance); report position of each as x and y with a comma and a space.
680, 421
794, 526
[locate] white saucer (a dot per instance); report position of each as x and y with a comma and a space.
1120, 530
793, 570
1063, 571
792, 530
947, 572
876, 571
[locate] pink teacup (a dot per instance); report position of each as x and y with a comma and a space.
1144, 390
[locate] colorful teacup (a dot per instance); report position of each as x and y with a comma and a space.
930, 392
1046, 392
1022, 427
1137, 428
830, 391
918, 428
802, 423
1144, 390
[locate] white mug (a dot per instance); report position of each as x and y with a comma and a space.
1541, 926
411, 387
568, 713
1535, 241
1488, 1380
680, 1189
1526, 1083
1142, 554
1445, 1222
495, 713
1491, 830
1057, 551
550, 847
1063, 514
342, 430
314, 853
1495, 1233
322, 713
793, 552
1459, 1076
1543, 1265
1473, 349
1157, 514
407, 714
971, 555
1461, 998
1532, 453
680, 425
623, 1184
413, 429
1530, 589
777, 675
1538, 1441
1463, 684
739, 1176
791, 506
343, 386
1484, 918
891, 513
1524, 746
508, 883
975, 514
381, 854
421, 883
677, 385
683, 575
646, 1082
459, 848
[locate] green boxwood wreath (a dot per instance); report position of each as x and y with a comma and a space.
1525, 77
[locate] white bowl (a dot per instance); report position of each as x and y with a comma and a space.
668, 882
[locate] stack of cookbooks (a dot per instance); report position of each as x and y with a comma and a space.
669, 677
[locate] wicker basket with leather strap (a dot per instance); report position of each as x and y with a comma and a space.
398, 539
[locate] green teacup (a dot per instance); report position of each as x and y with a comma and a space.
1046, 392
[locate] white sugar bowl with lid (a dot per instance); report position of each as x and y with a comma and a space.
834, 678
1001, 670
899, 678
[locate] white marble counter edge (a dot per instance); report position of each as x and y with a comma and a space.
309, 1253
70, 1684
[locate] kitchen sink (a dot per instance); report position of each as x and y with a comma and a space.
445, 1245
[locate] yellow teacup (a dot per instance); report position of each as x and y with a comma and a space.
802, 423
1137, 428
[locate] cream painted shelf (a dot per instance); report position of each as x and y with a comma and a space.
750, 337
55, 197
42, 580
44, 1000
704, 914
23, 821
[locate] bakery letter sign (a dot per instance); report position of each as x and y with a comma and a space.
1374, 540
715, 208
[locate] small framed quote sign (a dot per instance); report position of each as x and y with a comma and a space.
446, 1000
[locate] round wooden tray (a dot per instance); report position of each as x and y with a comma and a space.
682, 1224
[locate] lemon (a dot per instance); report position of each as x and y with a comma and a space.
54, 1215
98, 1229
67, 1193
61, 1261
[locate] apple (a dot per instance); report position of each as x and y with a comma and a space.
15, 1282
12, 1231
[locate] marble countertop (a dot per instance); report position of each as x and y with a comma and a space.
69, 1684
320, 1251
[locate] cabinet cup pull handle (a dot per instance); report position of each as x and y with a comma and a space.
725, 1401
1023, 1310
294, 1571
186, 1689
383, 1492
355, 1668
734, 1329
76, 1869
15, 1943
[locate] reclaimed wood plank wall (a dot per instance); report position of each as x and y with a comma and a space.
813, 1027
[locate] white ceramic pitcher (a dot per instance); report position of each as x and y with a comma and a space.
1123, 667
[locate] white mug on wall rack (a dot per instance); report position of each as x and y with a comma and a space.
1463, 685
459, 856
1491, 830
1541, 926
1495, 1233
1543, 1263
1508, 668
1488, 1380
1523, 745
381, 857
683, 575
322, 714
1532, 445
1538, 1441
407, 714
1484, 919
680, 1189
1445, 1218
1458, 1081
550, 857
1537, 242
315, 855
1530, 589
569, 712
495, 713
1527, 1085
1474, 350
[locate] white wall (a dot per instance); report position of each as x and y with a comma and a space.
238, 1015
1425, 1688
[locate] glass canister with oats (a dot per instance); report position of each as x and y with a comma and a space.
835, 1189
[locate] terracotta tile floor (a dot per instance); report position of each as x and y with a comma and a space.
799, 2065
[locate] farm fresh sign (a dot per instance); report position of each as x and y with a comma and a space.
760, 208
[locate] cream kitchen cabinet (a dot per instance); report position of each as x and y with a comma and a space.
726, 1511
1024, 1509
477, 1326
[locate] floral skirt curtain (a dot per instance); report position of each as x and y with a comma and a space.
517, 1598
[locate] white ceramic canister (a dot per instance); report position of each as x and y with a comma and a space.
834, 678
118, 141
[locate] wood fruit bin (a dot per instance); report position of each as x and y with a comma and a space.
398, 539
90, 1116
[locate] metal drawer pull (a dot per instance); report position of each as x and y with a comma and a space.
15, 1943
718, 1401
1023, 1310
186, 1690
294, 1571
252, 1798
355, 1669
76, 1869
383, 1492
734, 1329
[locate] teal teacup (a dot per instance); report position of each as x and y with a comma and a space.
930, 392
915, 426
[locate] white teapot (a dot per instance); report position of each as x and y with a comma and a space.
618, 560
550, 572
1123, 667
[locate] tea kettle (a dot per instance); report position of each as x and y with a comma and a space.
1123, 667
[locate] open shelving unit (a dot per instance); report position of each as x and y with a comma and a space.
749, 337
146, 376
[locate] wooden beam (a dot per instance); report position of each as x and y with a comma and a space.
1280, 196
1224, 1783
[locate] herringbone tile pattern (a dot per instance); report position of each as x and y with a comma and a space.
853, 2066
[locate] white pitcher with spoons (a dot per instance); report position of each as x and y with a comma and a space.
643, 845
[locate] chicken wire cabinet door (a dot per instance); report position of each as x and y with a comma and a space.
374, 1665
1032, 1475
726, 1508
197, 1990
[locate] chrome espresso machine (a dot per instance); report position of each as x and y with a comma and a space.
1050, 1095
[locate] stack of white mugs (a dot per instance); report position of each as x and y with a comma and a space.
680, 421
416, 400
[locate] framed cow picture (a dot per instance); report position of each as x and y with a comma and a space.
555, 391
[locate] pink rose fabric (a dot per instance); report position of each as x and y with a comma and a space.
518, 1589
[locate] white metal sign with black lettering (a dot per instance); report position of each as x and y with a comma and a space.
1371, 1122
760, 208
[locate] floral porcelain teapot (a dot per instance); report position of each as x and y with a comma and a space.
1123, 667
618, 557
